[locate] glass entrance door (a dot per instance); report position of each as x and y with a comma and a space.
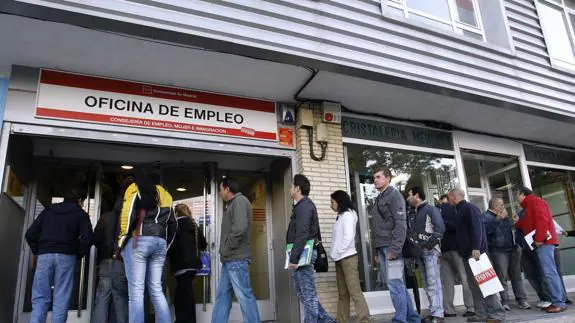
54, 180
490, 175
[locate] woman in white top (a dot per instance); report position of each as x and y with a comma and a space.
345, 256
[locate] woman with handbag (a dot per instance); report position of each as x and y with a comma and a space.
185, 262
344, 254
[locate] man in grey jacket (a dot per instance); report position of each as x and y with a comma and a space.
389, 223
235, 255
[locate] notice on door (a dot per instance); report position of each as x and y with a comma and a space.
68, 96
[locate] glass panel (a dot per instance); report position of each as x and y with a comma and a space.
430, 22
502, 177
435, 174
479, 201
186, 185
436, 8
556, 35
471, 34
472, 174
466, 12
55, 181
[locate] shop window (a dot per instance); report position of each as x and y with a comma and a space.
459, 16
436, 174
556, 187
557, 18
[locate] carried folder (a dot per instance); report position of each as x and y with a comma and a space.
304, 258
531, 242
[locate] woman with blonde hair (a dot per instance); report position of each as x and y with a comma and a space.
185, 262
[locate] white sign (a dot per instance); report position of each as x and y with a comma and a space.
485, 275
100, 100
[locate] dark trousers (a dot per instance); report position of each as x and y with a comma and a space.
507, 265
185, 302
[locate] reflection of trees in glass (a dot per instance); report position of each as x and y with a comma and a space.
409, 167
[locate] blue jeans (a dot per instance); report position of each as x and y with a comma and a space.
304, 283
144, 266
546, 256
431, 277
404, 310
112, 288
56, 270
235, 279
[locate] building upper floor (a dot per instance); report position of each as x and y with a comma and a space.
516, 52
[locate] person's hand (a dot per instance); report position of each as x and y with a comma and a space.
391, 256
565, 233
515, 217
537, 243
376, 258
476, 254
292, 266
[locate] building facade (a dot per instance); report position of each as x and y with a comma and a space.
477, 94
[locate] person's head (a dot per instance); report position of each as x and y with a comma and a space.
146, 181
496, 205
300, 187
455, 196
183, 210
444, 199
381, 178
341, 202
523, 192
228, 188
415, 196
74, 196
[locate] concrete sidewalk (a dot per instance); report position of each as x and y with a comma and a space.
515, 315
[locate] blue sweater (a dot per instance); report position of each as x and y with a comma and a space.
499, 233
470, 229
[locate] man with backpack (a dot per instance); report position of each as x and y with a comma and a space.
426, 227
389, 228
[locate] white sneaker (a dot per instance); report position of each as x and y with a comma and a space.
507, 308
543, 304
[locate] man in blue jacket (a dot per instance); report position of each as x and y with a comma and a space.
504, 252
471, 243
61, 234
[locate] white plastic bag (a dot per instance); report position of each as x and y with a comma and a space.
485, 276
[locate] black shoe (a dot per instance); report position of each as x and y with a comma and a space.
450, 315
469, 314
569, 302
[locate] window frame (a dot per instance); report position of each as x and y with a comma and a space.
458, 27
565, 12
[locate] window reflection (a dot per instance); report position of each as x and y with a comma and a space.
434, 173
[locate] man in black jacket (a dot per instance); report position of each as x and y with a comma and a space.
504, 252
451, 263
60, 235
304, 226
471, 243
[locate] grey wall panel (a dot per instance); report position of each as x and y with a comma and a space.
356, 33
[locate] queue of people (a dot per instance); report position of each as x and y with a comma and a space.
141, 229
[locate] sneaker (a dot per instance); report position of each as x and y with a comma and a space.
469, 314
507, 308
524, 305
543, 304
569, 302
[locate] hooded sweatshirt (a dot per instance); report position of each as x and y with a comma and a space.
62, 228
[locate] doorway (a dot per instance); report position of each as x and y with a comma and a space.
491, 175
191, 177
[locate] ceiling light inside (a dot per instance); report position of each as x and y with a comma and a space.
181, 189
127, 167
